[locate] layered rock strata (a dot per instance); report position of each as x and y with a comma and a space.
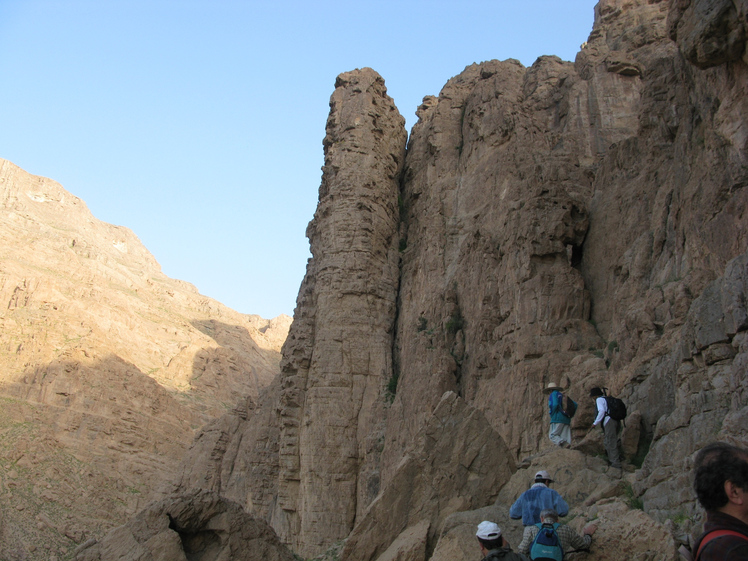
338, 357
108, 368
582, 223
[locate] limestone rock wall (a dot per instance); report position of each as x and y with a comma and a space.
562, 210
338, 358
493, 224
457, 462
582, 223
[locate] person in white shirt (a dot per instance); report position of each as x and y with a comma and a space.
610, 427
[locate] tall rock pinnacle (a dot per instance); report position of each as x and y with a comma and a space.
333, 386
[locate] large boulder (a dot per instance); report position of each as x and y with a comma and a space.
457, 462
200, 525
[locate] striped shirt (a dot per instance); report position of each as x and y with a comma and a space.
569, 539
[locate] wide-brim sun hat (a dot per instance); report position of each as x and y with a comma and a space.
552, 386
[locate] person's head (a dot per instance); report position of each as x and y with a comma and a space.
552, 387
543, 477
720, 469
489, 536
596, 392
548, 516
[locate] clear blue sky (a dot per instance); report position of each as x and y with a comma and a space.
199, 124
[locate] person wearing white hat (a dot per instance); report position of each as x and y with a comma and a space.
493, 546
538, 497
560, 433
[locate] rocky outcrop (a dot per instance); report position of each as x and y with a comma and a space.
108, 368
322, 425
710, 32
201, 525
338, 357
457, 462
710, 393
582, 223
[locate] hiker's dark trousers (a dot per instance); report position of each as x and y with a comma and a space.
611, 442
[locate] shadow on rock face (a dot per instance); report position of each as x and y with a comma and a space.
197, 526
200, 544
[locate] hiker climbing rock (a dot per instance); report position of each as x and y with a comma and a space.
537, 498
493, 546
561, 409
611, 420
549, 539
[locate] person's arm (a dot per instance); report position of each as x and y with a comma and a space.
602, 408
554, 402
561, 506
581, 542
527, 538
515, 511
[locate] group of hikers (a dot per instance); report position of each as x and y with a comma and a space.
544, 537
720, 483
610, 413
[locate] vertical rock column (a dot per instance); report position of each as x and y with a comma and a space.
338, 358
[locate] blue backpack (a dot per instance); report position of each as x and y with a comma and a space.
546, 546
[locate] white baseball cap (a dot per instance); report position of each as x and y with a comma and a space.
488, 531
542, 474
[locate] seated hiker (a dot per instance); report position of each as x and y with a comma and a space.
551, 546
493, 546
537, 498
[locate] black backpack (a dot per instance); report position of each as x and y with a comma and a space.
569, 406
616, 407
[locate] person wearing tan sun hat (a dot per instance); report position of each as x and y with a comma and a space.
559, 409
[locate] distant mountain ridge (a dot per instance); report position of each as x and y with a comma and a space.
107, 366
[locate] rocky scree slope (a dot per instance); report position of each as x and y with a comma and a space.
108, 369
582, 223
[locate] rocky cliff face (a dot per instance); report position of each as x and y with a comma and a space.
108, 368
339, 352
582, 223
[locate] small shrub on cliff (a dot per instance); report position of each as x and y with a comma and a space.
454, 323
632, 500
392, 386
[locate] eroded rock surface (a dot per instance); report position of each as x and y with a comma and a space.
108, 368
582, 223
457, 462
338, 357
201, 525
